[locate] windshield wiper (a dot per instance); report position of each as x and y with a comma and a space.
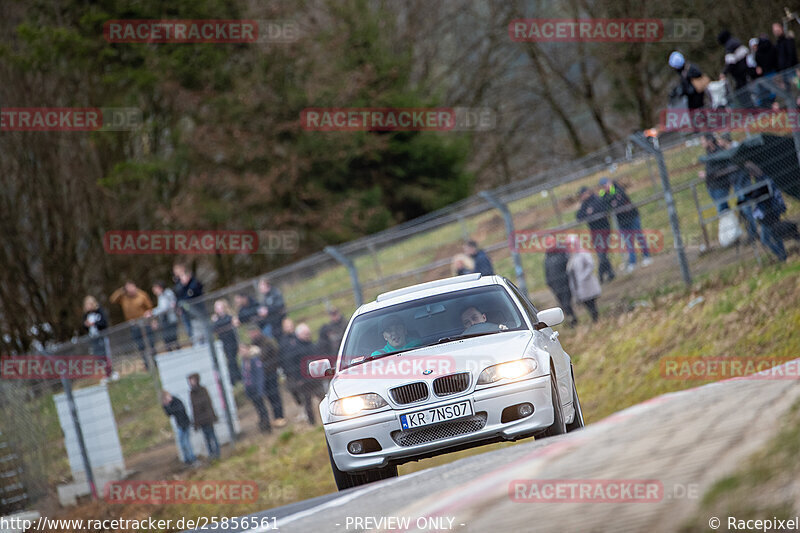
377, 356
467, 336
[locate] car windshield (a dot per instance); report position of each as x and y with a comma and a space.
428, 321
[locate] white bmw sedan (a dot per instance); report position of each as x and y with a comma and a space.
439, 367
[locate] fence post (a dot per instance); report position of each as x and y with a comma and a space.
500, 206
351, 268
552, 194
700, 217
209, 331
640, 139
73, 411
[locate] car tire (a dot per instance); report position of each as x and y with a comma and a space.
577, 420
558, 426
346, 480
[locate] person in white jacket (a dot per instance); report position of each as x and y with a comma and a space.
583, 282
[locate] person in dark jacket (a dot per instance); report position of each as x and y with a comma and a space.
331, 334
253, 379
482, 262
766, 57
188, 288
555, 274
785, 48
694, 99
591, 208
717, 174
225, 325
204, 415
735, 58
270, 359
272, 309
768, 210
296, 352
174, 407
247, 309
628, 221
95, 320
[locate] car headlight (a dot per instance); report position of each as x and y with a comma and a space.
352, 405
511, 370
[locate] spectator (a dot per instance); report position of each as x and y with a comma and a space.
768, 210
693, 82
721, 174
331, 334
482, 262
225, 325
591, 208
717, 173
582, 280
785, 48
253, 379
204, 415
296, 352
628, 221
270, 358
136, 304
272, 309
95, 321
247, 309
735, 58
555, 274
188, 288
174, 407
762, 64
462, 264
766, 57
165, 317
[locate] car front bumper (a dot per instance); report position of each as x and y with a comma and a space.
489, 401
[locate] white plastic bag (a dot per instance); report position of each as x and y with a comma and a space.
729, 229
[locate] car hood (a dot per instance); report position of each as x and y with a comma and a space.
471, 355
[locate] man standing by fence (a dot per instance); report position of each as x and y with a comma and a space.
591, 208
628, 221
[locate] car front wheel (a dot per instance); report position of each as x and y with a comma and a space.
577, 420
347, 480
558, 426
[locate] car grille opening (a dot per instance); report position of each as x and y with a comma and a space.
445, 430
413, 392
452, 384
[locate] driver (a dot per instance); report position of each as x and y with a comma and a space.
472, 316
396, 336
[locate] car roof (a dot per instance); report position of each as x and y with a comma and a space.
430, 288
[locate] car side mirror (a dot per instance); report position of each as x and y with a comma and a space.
320, 368
550, 317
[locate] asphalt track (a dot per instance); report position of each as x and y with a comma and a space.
680, 443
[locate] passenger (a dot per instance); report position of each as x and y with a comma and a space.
396, 336
472, 316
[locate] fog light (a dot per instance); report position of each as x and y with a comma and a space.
525, 409
355, 447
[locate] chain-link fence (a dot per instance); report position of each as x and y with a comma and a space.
670, 208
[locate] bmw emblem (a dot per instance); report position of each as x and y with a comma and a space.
427, 372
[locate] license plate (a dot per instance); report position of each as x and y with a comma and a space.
436, 415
